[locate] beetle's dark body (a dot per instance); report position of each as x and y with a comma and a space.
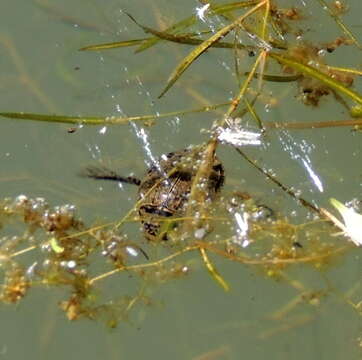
165, 189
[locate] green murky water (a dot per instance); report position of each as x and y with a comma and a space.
42, 71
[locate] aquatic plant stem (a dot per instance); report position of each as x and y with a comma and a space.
243, 89
304, 202
212, 270
264, 33
23, 251
142, 266
275, 261
197, 198
313, 124
206, 246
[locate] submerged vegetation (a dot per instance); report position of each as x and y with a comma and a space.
54, 248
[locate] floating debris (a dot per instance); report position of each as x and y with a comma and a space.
352, 222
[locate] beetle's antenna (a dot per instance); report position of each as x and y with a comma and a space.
103, 173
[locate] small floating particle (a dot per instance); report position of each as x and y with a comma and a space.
200, 233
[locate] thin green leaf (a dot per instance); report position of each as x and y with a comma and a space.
187, 38
285, 188
224, 8
316, 74
277, 78
187, 22
55, 118
243, 111
243, 88
112, 45
264, 32
313, 124
189, 59
181, 39
108, 120
164, 35
346, 70
253, 113
236, 58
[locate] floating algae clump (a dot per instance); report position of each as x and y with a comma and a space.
67, 252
